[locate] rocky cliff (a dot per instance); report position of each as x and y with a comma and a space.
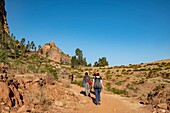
52, 52
3, 21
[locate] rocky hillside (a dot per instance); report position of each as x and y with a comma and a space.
3, 21
31, 82
52, 52
148, 83
36, 93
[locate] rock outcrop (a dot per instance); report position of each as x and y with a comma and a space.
3, 21
52, 52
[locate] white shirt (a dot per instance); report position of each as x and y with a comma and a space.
97, 77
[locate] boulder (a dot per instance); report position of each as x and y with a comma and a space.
24, 108
59, 103
5, 93
162, 105
17, 96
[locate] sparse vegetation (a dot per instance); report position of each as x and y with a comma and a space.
118, 75
120, 82
114, 90
159, 87
79, 83
108, 77
79, 76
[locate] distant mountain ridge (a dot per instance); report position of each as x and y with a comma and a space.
52, 52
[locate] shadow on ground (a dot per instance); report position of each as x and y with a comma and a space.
91, 92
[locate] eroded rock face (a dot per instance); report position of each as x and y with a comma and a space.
52, 52
3, 20
5, 93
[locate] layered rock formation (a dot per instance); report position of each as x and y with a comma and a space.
3, 21
52, 52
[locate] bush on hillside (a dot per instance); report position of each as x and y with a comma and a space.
79, 83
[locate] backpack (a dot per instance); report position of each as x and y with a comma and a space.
97, 83
69, 76
85, 79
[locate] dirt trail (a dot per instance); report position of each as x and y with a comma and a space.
110, 103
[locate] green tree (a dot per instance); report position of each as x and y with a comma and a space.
28, 45
96, 64
84, 62
78, 59
23, 49
22, 41
39, 46
79, 55
32, 45
89, 65
101, 62
74, 61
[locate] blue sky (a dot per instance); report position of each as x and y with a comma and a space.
123, 31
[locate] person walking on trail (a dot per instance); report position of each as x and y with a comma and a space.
86, 80
65, 73
71, 77
97, 85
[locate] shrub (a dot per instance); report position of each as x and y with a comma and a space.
118, 75
167, 76
118, 91
167, 68
31, 67
129, 86
125, 73
166, 81
3, 56
117, 70
134, 89
141, 81
108, 86
108, 77
129, 70
55, 77
143, 69
120, 82
107, 72
79, 76
157, 69
79, 83
159, 87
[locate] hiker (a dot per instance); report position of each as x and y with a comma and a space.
97, 85
86, 84
71, 77
64, 74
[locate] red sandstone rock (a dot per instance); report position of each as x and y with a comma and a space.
5, 93
52, 52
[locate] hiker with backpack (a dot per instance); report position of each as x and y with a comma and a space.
97, 85
86, 84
